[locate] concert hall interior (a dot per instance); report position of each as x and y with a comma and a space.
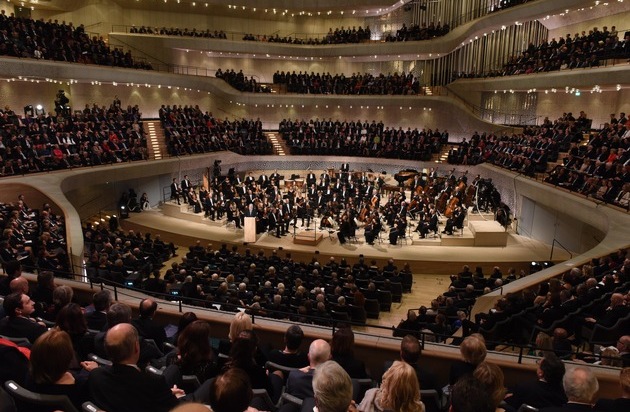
327, 163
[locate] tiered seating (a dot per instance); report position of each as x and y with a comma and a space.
51, 40
176, 31
190, 131
92, 137
337, 36
367, 84
240, 82
34, 237
345, 138
416, 32
580, 51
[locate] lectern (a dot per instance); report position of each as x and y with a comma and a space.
250, 230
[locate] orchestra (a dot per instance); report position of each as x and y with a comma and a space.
340, 200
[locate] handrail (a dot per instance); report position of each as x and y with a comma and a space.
553, 243
424, 337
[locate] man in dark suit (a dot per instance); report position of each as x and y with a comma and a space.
300, 382
97, 319
580, 386
175, 191
185, 187
18, 323
147, 327
124, 387
546, 391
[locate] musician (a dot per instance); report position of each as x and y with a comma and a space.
372, 229
311, 179
275, 176
312, 192
263, 181
233, 214
194, 201
209, 206
285, 212
450, 222
397, 231
430, 224
345, 229
345, 167
175, 191
249, 180
185, 187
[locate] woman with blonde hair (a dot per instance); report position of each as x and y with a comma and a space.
492, 378
241, 321
399, 391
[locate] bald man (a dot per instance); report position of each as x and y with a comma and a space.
124, 387
19, 285
146, 326
300, 382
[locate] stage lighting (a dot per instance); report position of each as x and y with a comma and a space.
39, 109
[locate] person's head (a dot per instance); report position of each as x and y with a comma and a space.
230, 391
147, 308
332, 388
491, 376
101, 300
118, 313
318, 352
342, 341
580, 384
400, 390
410, 349
46, 279
193, 343
62, 295
185, 320
241, 321
242, 351
19, 284
122, 344
293, 337
18, 304
47, 369
72, 320
551, 369
469, 395
473, 350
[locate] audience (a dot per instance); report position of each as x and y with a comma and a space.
52, 40
546, 390
300, 382
621, 403
325, 83
469, 395
99, 135
580, 51
240, 82
18, 323
188, 130
416, 32
174, 31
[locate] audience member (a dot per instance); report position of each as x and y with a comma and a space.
623, 402
546, 390
580, 386
18, 308
469, 395
399, 391
332, 388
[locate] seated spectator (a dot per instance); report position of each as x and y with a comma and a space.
300, 382
18, 324
491, 376
332, 388
97, 319
342, 347
399, 391
290, 356
469, 395
241, 321
51, 374
194, 355
124, 387
546, 390
72, 321
410, 352
580, 386
146, 326
14, 360
473, 351
231, 392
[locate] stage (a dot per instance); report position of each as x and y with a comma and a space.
440, 255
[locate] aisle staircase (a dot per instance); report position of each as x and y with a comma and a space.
156, 146
280, 147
